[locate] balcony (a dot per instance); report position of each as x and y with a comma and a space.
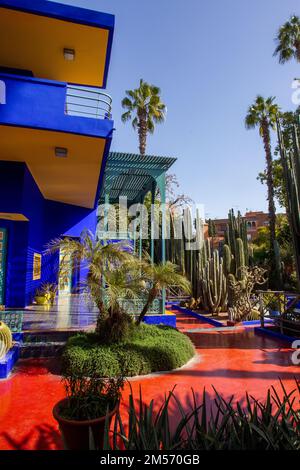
44, 104
88, 102
60, 131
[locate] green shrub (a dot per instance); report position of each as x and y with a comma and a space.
149, 348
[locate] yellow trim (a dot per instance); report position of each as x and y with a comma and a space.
13, 216
37, 266
36, 43
72, 180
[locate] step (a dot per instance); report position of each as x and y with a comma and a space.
41, 349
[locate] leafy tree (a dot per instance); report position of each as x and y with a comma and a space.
288, 40
262, 254
287, 122
145, 109
158, 277
106, 266
263, 114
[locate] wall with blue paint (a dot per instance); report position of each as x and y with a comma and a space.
40, 104
167, 320
47, 220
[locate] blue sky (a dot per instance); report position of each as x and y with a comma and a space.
210, 58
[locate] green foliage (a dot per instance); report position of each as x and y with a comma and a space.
251, 424
287, 121
288, 40
149, 348
291, 164
89, 397
145, 109
263, 111
161, 276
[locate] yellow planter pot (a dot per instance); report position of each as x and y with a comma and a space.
41, 300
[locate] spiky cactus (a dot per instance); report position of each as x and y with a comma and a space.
5, 339
227, 260
237, 230
213, 283
291, 166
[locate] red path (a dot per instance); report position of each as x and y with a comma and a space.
233, 361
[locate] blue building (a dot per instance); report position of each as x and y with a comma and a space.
55, 133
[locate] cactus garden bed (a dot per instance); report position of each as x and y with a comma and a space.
150, 348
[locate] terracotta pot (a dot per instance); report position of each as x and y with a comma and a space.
76, 434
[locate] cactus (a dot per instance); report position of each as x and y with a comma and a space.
237, 230
227, 260
291, 167
213, 283
5, 339
239, 258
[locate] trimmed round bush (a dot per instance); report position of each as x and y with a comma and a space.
149, 348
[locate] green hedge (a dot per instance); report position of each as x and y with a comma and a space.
149, 349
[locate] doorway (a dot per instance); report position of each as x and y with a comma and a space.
3, 249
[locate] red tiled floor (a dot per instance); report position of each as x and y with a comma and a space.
188, 322
233, 361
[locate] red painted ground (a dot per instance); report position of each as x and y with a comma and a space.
233, 361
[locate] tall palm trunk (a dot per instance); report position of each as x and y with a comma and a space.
271, 205
142, 131
297, 47
270, 182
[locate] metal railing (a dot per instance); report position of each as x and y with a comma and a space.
87, 102
13, 319
109, 235
283, 308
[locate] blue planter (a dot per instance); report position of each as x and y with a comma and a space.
8, 362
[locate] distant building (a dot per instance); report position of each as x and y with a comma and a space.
254, 219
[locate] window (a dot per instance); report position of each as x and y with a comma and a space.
37, 266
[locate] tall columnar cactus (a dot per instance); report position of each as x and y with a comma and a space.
227, 260
291, 166
213, 283
240, 261
5, 339
237, 229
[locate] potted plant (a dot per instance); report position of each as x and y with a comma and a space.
90, 403
46, 293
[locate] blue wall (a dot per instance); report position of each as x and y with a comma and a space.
40, 104
47, 220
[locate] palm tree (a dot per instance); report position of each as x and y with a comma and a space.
161, 276
105, 265
288, 40
262, 114
144, 108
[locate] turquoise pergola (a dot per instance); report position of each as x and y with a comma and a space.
133, 176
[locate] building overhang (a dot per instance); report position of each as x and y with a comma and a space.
35, 37
71, 178
15, 217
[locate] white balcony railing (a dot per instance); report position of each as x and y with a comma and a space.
87, 102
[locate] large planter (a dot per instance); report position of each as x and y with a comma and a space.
76, 434
41, 300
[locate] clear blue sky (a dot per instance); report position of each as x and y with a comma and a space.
210, 58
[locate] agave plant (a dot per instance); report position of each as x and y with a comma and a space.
212, 424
